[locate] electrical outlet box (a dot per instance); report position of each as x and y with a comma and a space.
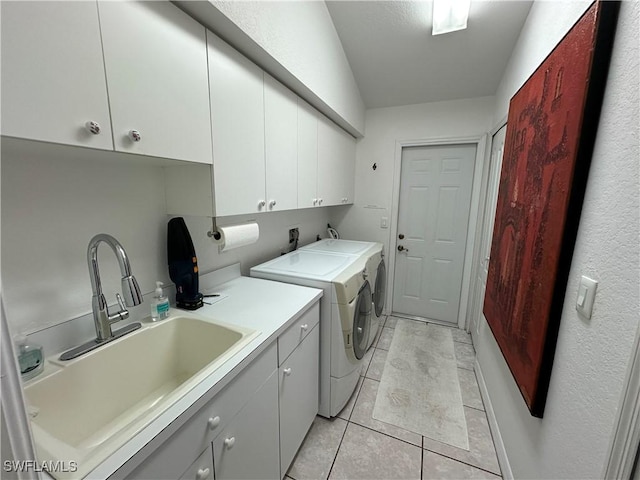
294, 234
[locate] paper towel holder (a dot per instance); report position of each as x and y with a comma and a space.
214, 233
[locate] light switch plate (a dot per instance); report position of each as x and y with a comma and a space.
384, 222
586, 296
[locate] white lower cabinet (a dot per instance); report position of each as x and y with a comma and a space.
298, 396
201, 469
253, 427
248, 447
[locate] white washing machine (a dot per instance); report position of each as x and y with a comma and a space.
345, 316
375, 269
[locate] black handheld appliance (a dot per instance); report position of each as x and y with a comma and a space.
183, 265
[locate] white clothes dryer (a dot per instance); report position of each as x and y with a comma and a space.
345, 315
375, 270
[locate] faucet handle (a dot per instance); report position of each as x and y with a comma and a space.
122, 314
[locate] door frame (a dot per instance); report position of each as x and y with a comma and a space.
480, 141
479, 234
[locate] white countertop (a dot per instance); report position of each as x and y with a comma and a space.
263, 305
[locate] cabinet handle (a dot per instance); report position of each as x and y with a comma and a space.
229, 442
287, 371
203, 473
319, 201
135, 136
272, 204
213, 422
261, 204
93, 127
304, 327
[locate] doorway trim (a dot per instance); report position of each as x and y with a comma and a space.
480, 141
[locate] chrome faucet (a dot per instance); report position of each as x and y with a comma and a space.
101, 316
130, 289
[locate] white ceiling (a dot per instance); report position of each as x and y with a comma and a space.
396, 60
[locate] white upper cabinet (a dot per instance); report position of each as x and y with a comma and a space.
281, 145
307, 155
237, 117
53, 79
336, 164
156, 65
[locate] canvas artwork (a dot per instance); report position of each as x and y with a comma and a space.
551, 129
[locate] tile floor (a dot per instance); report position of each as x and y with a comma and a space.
354, 445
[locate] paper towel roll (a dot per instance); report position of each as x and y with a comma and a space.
236, 236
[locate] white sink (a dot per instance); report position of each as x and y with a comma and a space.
84, 409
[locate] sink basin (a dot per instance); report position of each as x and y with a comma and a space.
84, 409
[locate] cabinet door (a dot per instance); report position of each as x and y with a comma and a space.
348, 164
298, 396
307, 155
53, 74
156, 63
237, 117
281, 145
330, 163
248, 448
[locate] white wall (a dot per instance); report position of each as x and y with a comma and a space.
386, 126
54, 199
573, 438
298, 44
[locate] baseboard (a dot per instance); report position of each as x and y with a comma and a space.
501, 451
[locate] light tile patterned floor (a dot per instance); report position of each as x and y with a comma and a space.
354, 445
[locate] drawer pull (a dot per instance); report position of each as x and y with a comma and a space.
203, 473
287, 371
229, 442
304, 327
213, 422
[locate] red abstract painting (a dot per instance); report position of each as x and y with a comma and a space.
551, 129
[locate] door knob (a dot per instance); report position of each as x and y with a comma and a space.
401, 236
402, 249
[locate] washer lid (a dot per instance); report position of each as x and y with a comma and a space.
323, 266
350, 247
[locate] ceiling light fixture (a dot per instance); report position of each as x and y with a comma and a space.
450, 15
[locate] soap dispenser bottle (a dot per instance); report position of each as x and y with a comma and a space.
159, 304
30, 357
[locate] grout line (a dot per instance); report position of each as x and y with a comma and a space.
474, 408
465, 463
465, 368
422, 459
385, 434
335, 457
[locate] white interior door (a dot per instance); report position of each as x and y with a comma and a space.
435, 198
489, 215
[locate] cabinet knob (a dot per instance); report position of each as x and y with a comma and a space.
203, 473
261, 204
315, 201
272, 203
319, 201
93, 127
229, 442
287, 371
213, 422
135, 136
304, 327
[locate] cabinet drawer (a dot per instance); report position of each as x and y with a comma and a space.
289, 340
202, 468
175, 455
